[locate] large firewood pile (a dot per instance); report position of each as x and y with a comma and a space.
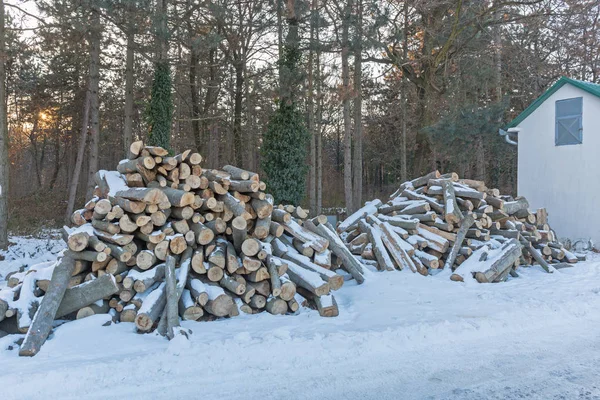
164, 239
440, 221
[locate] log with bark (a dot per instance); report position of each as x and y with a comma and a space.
164, 239
441, 221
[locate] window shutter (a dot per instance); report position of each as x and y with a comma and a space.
569, 121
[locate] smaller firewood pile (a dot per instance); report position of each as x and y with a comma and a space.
164, 239
440, 221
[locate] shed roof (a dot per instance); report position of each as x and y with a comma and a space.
591, 88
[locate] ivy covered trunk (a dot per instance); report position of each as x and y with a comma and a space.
161, 102
286, 139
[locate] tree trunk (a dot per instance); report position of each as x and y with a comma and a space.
4, 161
319, 117
403, 97
237, 112
348, 194
357, 168
161, 100
37, 162
57, 159
129, 83
480, 158
212, 91
79, 160
498, 57
312, 177
280, 41
193, 82
95, 38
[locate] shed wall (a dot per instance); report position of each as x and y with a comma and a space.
563, 179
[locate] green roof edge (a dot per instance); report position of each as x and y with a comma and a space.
593, 89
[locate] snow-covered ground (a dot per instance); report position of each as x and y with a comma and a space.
398, 336
27, 251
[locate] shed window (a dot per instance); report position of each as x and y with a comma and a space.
569, 125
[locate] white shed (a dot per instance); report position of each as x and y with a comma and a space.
559, 157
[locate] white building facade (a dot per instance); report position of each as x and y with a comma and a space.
559, 157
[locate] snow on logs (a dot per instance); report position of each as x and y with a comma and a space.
440, 221
233, 251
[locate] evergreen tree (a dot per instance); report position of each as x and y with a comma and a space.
286, 138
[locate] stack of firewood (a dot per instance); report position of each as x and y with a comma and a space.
440, 221
163, 232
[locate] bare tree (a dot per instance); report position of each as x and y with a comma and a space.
129, 82
310, 108
4, 161
357, 167
346, 93
95, 38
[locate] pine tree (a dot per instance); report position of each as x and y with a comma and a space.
286, 139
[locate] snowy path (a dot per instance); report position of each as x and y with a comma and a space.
399, 336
